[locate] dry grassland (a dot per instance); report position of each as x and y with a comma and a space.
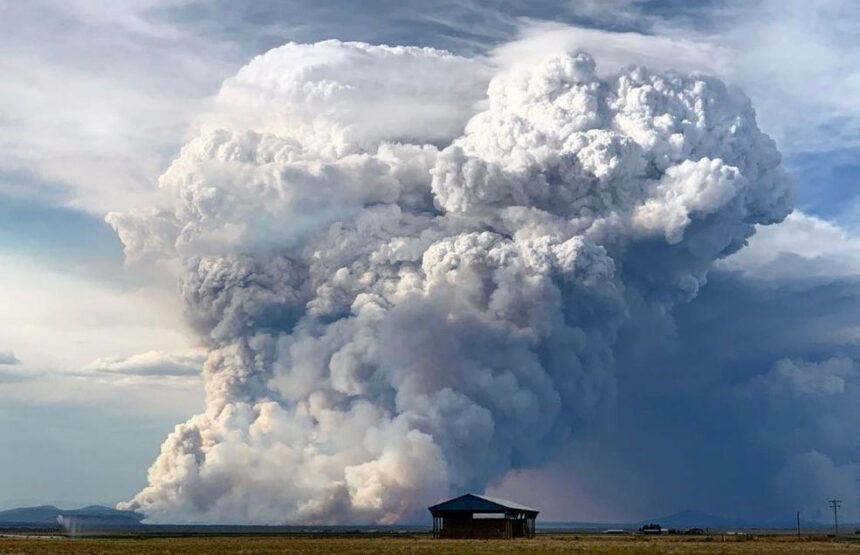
422, 544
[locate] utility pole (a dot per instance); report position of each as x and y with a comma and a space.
835, 504
798, 524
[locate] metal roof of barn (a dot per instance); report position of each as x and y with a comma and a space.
472, 502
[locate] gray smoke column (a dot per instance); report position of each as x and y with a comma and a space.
407, 288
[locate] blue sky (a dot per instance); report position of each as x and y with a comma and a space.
101, 99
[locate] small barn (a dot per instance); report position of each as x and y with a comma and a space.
479, 516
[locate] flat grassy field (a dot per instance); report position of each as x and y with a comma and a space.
423, 544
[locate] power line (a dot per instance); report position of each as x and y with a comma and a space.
835, 504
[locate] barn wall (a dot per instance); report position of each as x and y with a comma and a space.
481, 528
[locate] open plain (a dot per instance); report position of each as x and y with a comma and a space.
420, 544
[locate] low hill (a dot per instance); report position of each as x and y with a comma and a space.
48, 515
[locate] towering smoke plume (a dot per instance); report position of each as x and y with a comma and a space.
399, 304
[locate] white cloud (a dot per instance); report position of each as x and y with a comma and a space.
427, 315
152, 364
800, 62
613, 50
8, 357
813, 379
357, 89
801, 247
60, 322
128, 15
121, 111
91, 102
101, 138
108, 130
797, 60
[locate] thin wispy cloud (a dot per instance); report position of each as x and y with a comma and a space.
151, 364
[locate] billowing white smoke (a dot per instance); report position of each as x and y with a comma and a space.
395, 313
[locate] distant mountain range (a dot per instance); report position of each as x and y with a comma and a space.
48, 515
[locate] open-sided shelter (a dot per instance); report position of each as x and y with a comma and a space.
479, 516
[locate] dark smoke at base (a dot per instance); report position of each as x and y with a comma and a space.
744, 404
397, 309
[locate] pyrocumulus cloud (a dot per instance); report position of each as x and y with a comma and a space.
410, 273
